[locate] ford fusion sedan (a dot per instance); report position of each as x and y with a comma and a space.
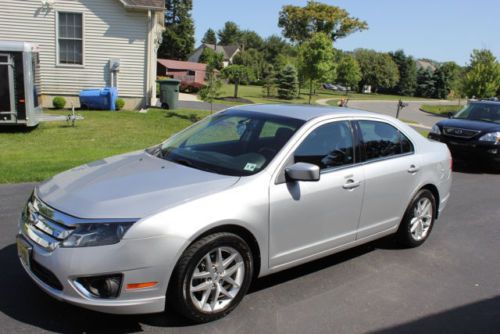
188, 224
473, 133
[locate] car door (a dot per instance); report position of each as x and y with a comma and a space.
307, 218
390, 169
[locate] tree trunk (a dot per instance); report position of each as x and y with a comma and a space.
310, 90
236, 84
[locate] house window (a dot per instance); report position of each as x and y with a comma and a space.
70, 38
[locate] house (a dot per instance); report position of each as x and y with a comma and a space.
182, 70
426, 65
90, 44
228, 51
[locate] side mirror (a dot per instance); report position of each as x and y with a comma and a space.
302, 171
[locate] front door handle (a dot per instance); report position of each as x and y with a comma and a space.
413, 169
351, 184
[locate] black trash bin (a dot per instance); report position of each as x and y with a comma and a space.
169, 93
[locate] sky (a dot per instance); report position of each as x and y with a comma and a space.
442, 30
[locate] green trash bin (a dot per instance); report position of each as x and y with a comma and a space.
169, 93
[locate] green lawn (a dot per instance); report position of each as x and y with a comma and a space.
54, 147
255, 94
441, 109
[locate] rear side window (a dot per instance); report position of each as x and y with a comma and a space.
328, 146
382, 140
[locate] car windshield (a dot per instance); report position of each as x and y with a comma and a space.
230, 143
486, 112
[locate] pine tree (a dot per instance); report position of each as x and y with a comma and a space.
178, 37
287, 82
210, 37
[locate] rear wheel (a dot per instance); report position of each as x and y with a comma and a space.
418, 220
211, 277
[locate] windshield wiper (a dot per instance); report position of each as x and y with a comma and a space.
183, 162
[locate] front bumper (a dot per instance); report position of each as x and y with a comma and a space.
66, 265
469, 150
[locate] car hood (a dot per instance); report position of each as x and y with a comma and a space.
128, 186
470, 125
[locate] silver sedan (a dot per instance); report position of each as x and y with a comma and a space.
188, 224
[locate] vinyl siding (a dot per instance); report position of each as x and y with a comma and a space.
110, 31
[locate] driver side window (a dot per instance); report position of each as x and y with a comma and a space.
328, 146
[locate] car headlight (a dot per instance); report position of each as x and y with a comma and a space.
96, 234
492, 137
435, 130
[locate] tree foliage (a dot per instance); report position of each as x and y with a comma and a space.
482, 79
301, 23
178, 37
407, 67
237, 74
212, 90
317, 60
253, 59
230, 34
377, 69
275, 47
212, 59
348, 71
210, 37
249, 39
287, 82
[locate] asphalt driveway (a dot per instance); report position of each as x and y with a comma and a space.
449, 285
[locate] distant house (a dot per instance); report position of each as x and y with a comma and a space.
182, 70
426, 65
90, 44
228, 51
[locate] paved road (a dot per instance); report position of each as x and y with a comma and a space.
449, 285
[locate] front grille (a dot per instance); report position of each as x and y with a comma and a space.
45, 275
460, 133
44, 225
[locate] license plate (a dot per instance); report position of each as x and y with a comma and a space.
23, 251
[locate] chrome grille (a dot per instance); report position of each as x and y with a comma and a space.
460, 133
44, 225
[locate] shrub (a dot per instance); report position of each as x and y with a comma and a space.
120, 103
59, 102
190, 87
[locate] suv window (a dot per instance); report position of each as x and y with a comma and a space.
382, 140
329, 145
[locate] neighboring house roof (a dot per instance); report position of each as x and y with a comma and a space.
182, 65
227, 50
426, 65
144, 4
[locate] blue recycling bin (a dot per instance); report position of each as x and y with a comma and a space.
101, 99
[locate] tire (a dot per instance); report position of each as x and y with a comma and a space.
193, 273
415, 229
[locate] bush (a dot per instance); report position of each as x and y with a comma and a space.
120, 103
191, 87
59, 102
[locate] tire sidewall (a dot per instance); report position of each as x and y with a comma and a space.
407, 236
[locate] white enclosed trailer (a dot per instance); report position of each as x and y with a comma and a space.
19, 84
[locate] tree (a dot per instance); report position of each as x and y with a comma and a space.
407, 67
210, 37
275, 47
454, 74
253, 59
348, 71
230, 34
425, 83
317, 60
178, 37
212, 58
287, 82
482, 79
249, 39
236, 74
268, 80
377, 69
301, 23
212, 89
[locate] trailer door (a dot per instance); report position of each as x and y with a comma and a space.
7, 105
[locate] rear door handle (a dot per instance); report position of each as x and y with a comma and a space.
413, 169
351, 184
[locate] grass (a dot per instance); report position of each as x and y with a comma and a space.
441, 109
53, 147
255, 94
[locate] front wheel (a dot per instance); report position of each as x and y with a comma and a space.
418, 220
211, 277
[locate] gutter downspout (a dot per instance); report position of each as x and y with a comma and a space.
150, 89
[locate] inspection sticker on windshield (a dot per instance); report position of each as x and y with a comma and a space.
250, 167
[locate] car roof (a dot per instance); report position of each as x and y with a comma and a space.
304, 112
